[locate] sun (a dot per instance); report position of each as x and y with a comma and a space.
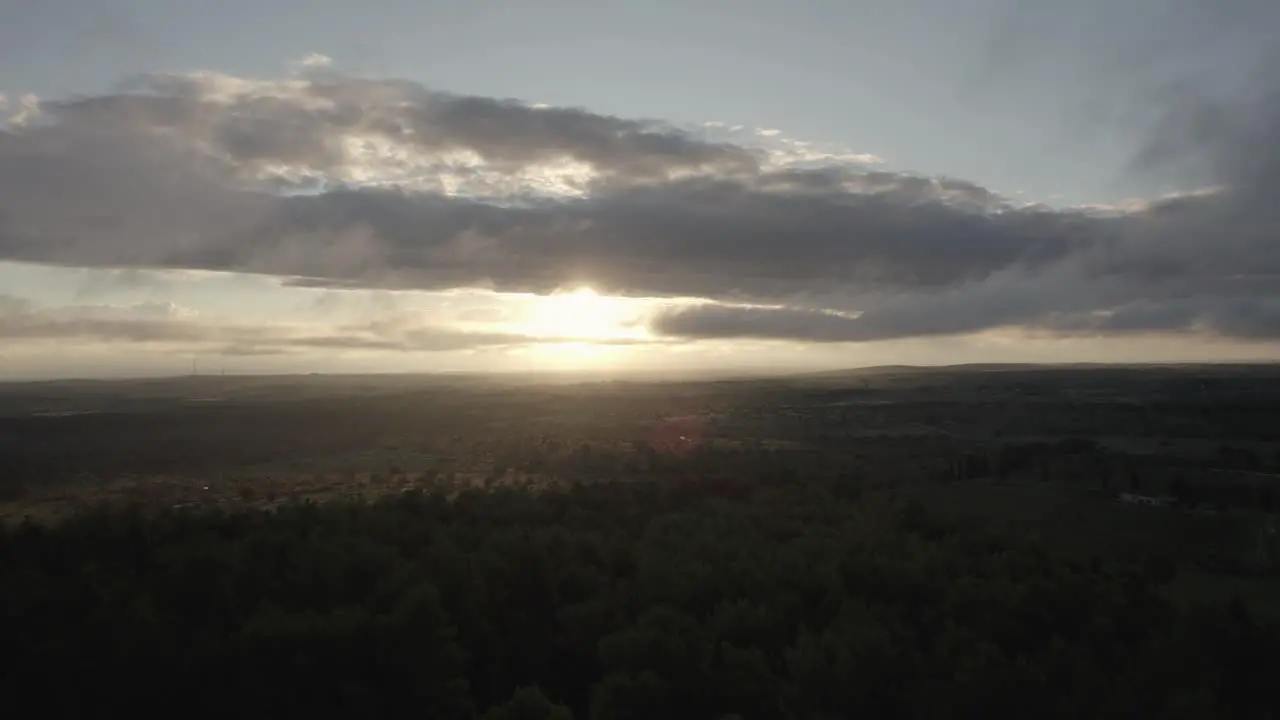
581, 328
582, 314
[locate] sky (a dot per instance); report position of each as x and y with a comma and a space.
324, 186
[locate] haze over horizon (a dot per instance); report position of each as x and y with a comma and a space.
316, 187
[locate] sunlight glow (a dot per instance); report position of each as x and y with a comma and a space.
573, 354
581, 328
582, 315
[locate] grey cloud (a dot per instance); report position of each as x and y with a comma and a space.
1008, 298
95, 196
121, 181
509, 131
303, 122
1237, 318
760, 323
697, 237
155, 177
715, 321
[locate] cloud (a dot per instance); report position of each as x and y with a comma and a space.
1009, 298
311, 61
1229, 318
96, 284
484, 314
167, 325
866, 158
28, 109
344, 182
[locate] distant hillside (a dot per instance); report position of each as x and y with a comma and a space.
937, 369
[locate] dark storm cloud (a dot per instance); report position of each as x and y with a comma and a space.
166, 174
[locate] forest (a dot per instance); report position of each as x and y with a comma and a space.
760, 598
887, 543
